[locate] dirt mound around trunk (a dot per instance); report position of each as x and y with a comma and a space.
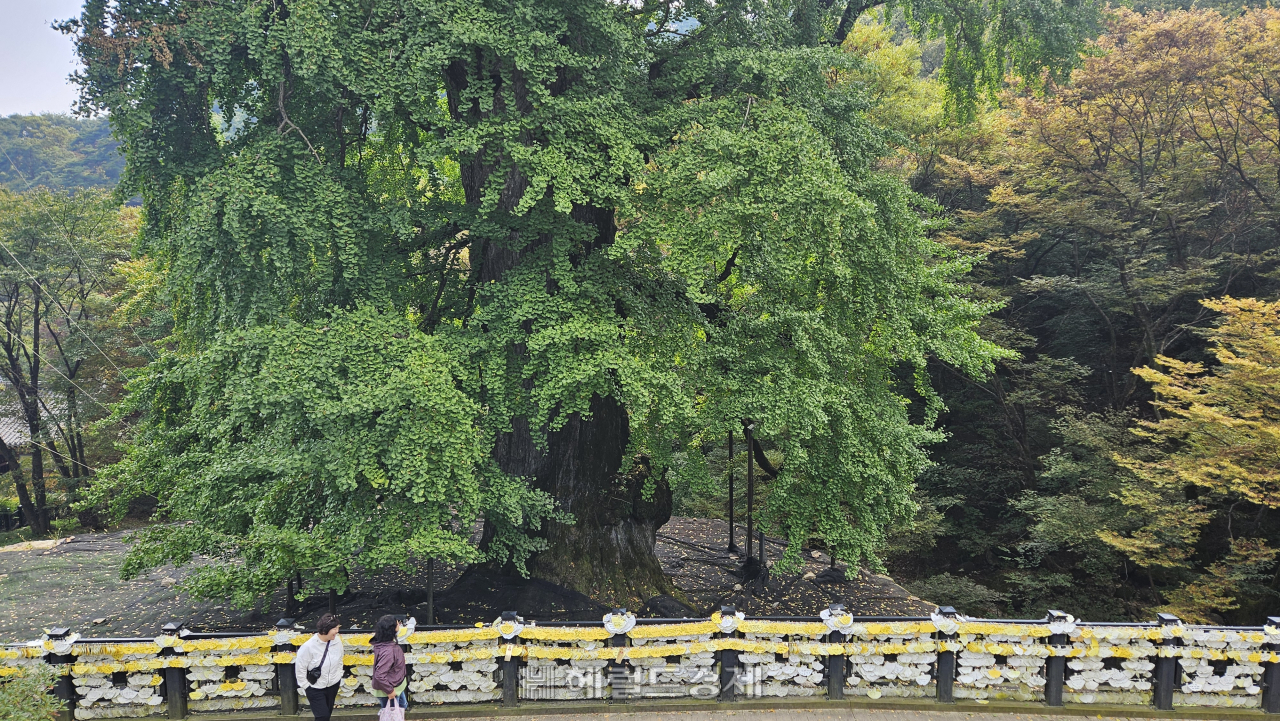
480, 595
694, 553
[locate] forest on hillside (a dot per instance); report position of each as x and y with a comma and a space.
65, 247
58, 151
1108, 210
1109, 226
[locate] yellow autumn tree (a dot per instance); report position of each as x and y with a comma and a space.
1237, 114
1219, 433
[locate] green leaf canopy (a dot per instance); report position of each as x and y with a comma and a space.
396, 231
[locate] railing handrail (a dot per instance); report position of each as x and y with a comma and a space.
950, 674
123, 639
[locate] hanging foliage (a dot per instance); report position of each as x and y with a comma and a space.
607, 233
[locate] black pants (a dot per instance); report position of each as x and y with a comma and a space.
321, 700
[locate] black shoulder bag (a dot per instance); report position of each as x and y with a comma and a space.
313, 674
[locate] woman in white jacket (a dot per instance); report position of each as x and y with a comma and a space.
321, 653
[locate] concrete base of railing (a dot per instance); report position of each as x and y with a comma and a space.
965, 707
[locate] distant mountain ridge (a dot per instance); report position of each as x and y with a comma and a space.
58, 151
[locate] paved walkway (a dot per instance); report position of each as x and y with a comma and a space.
795, 715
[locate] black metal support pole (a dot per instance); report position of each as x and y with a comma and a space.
751, 484
836, 670
64, 688
333, 601
286, 677
1167, 668
733, 547
510, 671
836, 662
1271, 676
945, 671
1055, 667
1271, 688
728, 675
431, 591
728, 665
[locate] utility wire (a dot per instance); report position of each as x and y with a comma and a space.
46, 361
62, 431
70, 320
86, 393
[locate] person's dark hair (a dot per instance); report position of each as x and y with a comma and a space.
384, 631
326, 623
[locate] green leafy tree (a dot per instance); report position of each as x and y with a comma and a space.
620, 229
319, 446
985, 41
57, 252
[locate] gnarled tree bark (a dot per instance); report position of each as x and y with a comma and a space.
608, 553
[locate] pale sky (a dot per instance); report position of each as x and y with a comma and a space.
35, 60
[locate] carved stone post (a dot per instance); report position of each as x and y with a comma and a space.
286, 675
729, 660
1271, 676
1167, 667
1055, 667
945, 671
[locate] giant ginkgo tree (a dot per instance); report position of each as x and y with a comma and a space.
434, 261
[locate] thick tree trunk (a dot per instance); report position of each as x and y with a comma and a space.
31, 406
24, 498
40, 522
608, 553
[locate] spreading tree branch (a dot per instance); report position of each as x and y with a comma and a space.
852, 10
762, 460
284, 120
728, 268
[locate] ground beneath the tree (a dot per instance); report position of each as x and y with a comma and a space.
846, 714
76, 584
693, 553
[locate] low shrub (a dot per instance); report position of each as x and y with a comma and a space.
27, 697
63, 527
